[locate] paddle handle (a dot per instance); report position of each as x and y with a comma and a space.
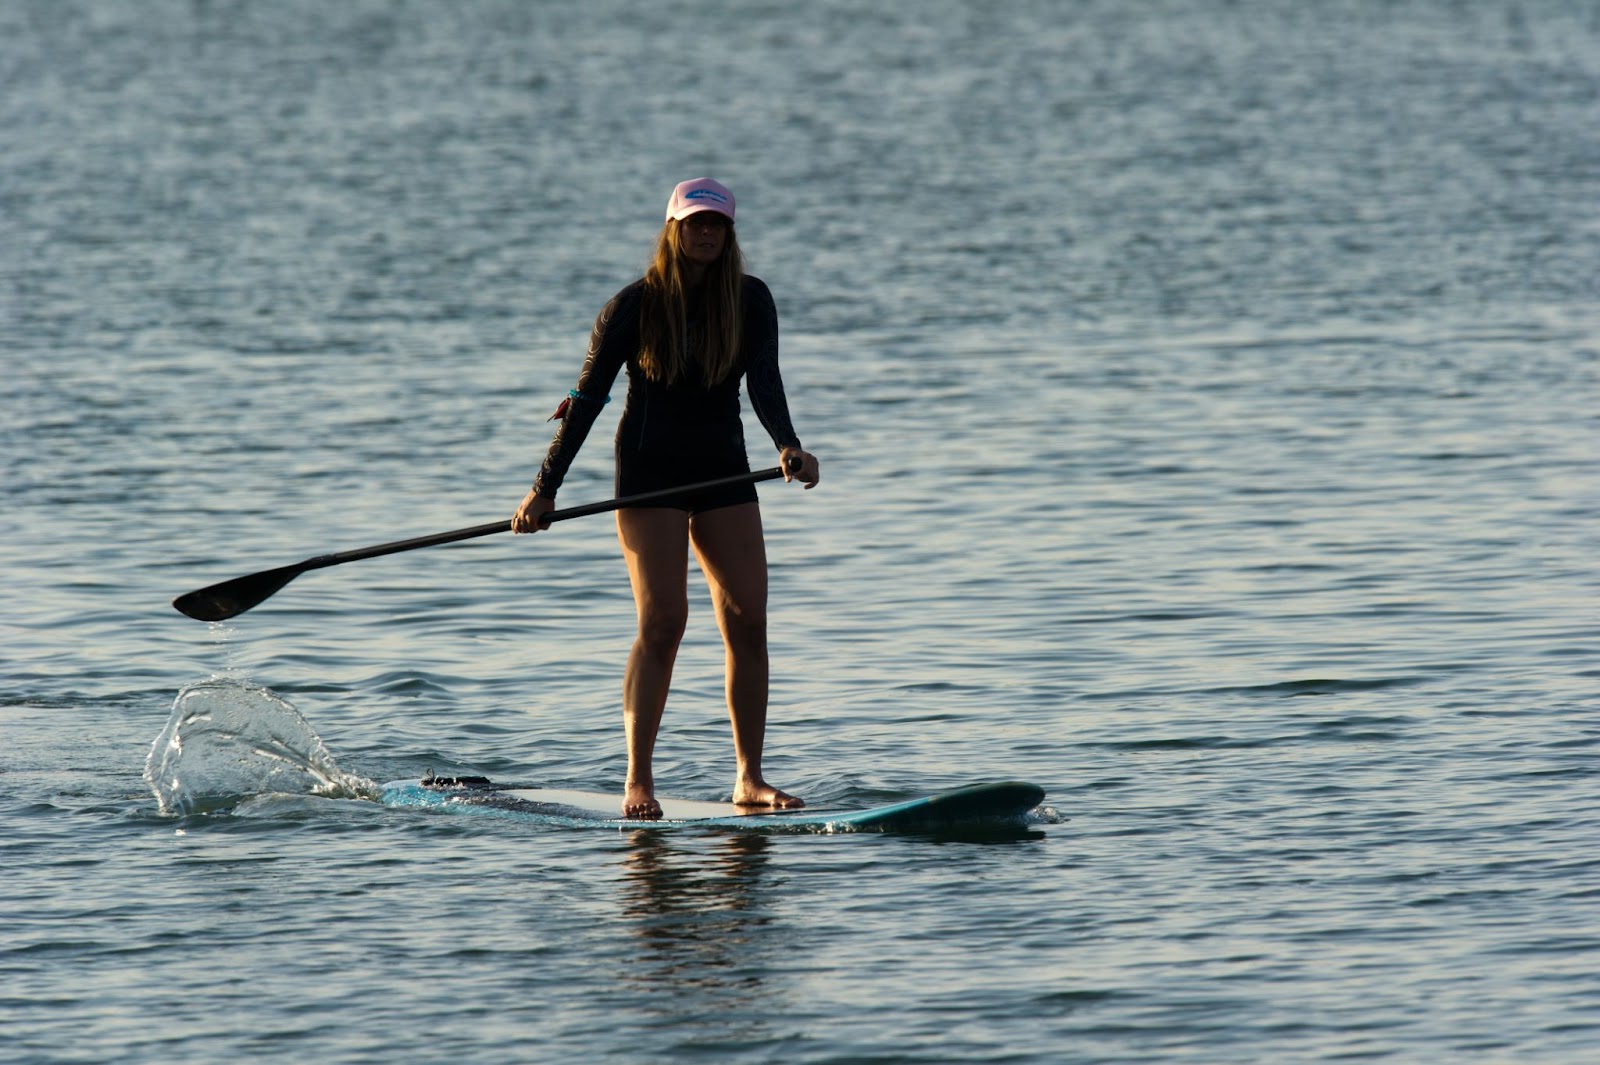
490, 528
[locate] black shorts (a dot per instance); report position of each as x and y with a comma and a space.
652, 471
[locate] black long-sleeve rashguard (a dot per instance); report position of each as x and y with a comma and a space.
672, 434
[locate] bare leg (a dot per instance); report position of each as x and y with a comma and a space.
733, 555
655, 543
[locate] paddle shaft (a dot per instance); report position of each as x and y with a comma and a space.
489, 528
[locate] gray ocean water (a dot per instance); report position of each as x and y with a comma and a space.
1207, 400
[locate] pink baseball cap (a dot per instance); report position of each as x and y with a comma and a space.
701, 194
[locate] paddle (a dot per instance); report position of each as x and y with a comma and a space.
219, 602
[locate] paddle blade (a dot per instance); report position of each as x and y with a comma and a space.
219, 602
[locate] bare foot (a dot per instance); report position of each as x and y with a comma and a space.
639, 802
760, 793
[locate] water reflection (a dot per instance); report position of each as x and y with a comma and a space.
701, 911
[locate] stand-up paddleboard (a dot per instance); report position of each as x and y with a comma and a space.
998, 804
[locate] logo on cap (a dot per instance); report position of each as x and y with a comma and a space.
705, 194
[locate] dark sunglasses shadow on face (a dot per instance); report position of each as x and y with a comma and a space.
706, 220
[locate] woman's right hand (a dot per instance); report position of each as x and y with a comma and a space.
531, 515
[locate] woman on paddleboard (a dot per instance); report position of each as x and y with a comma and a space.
687, 332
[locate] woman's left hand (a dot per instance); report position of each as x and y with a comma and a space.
809, 471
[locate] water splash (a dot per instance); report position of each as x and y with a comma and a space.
227, 741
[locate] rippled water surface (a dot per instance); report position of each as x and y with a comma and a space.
1206, 396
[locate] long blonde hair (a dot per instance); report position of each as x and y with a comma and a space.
664, 314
